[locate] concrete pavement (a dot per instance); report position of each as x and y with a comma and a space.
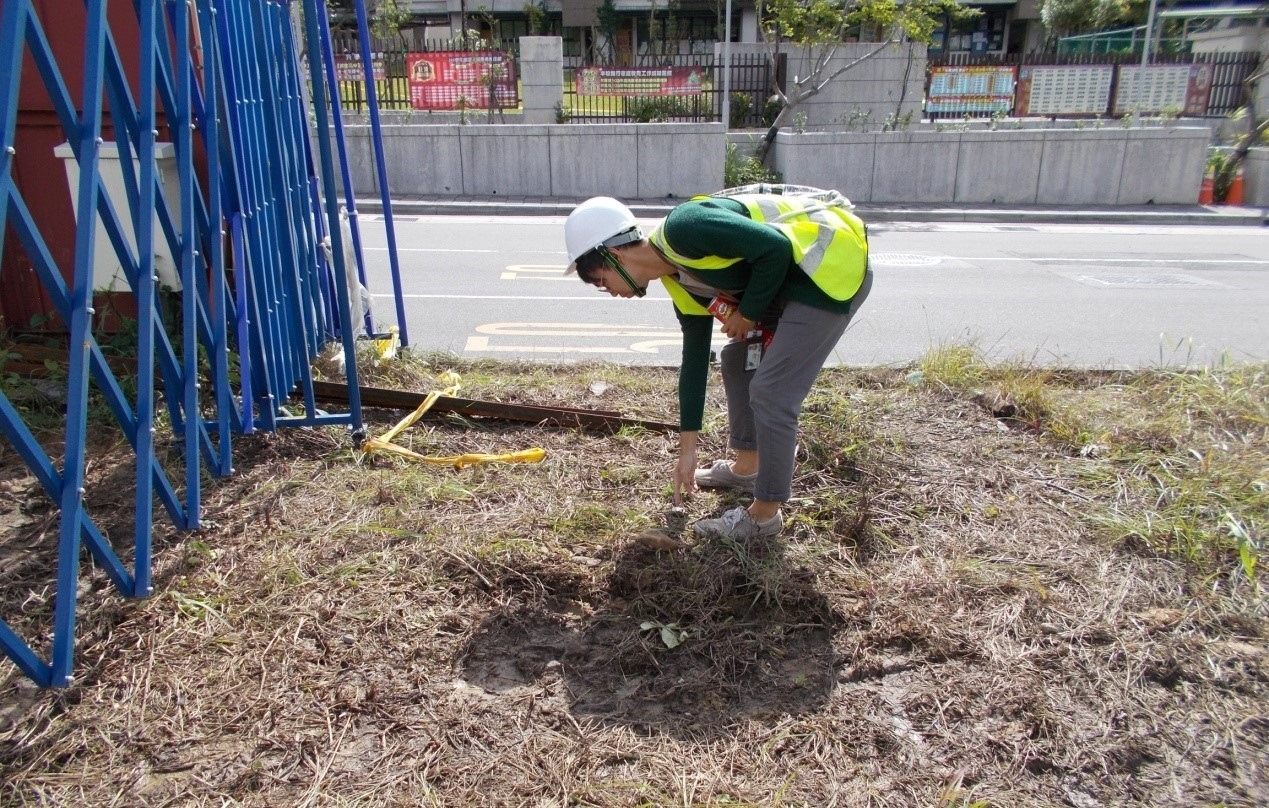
1012, 214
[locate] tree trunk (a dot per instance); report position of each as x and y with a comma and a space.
1254, 130
763, 152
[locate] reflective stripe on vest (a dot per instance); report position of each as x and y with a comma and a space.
829, 243
683, 300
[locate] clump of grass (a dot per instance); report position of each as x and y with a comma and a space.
1201, 492
954, 366
1184, 463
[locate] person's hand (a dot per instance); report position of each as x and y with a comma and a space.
738, 325
684, 474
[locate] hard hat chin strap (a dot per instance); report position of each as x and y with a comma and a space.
638, 290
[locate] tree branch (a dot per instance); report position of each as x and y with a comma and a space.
880, 47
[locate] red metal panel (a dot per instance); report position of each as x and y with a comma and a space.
39, 175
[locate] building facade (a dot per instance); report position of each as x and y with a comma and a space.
645, 28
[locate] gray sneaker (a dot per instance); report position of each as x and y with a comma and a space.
739, 526
720, 475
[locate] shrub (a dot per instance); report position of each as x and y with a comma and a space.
659, 109
742, 170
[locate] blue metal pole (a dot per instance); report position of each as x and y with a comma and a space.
72, 500
265, 226
337, 117
22, 655
143, 288
234, 204
325, 271
385, 196
13, 17
219, 314
300, 331
262, 295
312, 41
245, 339
181, 125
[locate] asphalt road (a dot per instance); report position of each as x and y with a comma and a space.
1104, 296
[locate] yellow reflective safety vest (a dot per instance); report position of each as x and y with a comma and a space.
830, 244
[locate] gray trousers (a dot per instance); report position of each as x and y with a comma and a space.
763, 405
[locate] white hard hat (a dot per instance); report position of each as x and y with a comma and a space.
599, 221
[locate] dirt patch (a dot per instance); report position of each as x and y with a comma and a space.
940, 624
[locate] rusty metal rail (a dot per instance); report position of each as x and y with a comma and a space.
30, 360
528, 413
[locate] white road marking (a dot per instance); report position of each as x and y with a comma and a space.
570, 330
594, 298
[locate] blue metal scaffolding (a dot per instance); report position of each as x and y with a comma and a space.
258, 297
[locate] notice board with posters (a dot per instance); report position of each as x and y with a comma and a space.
461, 80
349, 68
639, 80
1158, 88
971, 89
1064, 90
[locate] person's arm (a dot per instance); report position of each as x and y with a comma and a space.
693, 377
685, 466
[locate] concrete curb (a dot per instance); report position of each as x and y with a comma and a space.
653, 209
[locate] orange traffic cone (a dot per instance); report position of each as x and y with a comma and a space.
1205, 188
1234, 196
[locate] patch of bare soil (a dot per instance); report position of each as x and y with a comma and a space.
939, 625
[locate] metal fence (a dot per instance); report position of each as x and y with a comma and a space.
680, 88
392, 84
1229, 71
683, 86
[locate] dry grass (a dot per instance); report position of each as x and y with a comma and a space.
945, 621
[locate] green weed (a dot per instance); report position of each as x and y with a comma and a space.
1183, 470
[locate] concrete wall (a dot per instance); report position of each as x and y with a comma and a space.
637, 161
1045, 167
541, 65
874, 86
648, 161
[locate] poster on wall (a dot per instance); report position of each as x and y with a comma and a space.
1068, 90
460, 80
348, 68
1183, 89
639, 80
971, 89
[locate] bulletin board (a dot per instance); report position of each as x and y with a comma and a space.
1064, 90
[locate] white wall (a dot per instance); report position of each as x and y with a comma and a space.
874, 86
1116, 166
635, 161
1023, 167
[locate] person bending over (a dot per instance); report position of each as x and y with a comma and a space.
785, 274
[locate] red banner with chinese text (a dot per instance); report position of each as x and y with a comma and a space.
460, 80
639, 80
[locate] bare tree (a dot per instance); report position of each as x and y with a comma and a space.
819, 28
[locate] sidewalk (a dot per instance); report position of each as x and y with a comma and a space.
871, 213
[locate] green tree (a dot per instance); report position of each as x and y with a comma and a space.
535, 12
608, 23
818, 28
1068, 17
387, 17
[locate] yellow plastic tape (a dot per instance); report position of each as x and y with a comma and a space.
384, 443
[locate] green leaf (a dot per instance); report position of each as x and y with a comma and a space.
670, 637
